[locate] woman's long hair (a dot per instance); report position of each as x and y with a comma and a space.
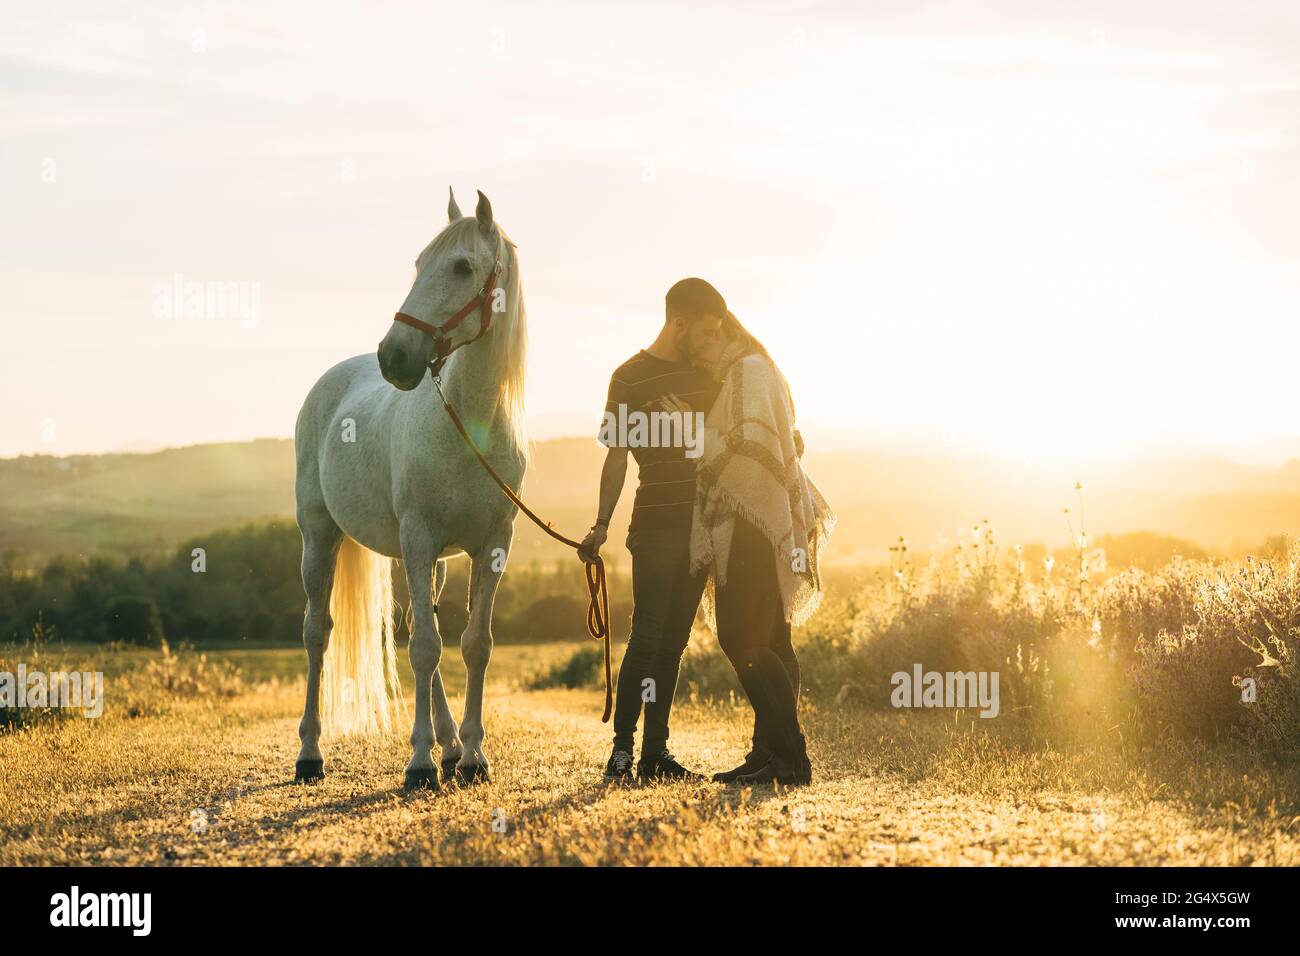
733, 330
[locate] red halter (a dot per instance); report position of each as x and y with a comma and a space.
482, 302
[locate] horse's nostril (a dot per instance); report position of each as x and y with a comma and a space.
397, 360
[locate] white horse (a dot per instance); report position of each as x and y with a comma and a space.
382, 473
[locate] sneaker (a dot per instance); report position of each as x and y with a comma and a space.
664, 766
619, 768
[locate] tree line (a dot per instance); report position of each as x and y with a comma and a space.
242, 585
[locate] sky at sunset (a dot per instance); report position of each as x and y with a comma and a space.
1005, 226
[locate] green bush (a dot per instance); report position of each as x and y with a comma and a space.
555, 617
133, 620
585, 667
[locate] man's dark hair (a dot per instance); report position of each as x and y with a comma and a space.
693, 298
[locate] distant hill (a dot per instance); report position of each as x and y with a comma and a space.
141, 503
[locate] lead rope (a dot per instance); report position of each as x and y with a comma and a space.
598, 606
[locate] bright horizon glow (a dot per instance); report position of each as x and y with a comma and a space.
1046, 236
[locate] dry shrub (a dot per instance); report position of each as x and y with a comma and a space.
172, 676
1154, 654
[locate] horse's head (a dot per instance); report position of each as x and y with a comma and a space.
451, 302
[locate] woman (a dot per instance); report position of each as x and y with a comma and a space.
759, 526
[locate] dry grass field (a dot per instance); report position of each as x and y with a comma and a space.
192, 764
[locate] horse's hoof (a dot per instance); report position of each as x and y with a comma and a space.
473, 773
448, 769
308, 771
426, 779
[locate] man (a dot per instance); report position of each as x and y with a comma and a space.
659, 380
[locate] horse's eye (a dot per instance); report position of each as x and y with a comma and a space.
461, 267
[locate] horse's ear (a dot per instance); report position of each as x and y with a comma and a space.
484, 214
453, 211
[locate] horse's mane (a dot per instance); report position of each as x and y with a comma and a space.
514, 345
507, 340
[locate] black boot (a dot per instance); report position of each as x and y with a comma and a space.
753, 763
768, 686
798, 773
791, 770
760, 754
758, 757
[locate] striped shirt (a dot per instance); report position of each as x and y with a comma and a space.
665, 491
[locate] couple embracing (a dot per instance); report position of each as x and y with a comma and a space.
729, 512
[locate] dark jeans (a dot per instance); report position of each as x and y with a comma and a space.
665, 597
755, 636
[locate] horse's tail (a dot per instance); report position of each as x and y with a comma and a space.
360, 689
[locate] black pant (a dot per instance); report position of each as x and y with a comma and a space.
665, 597
755, 636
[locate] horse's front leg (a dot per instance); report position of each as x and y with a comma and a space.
419, 552
476, 649
444, 724
320, 548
